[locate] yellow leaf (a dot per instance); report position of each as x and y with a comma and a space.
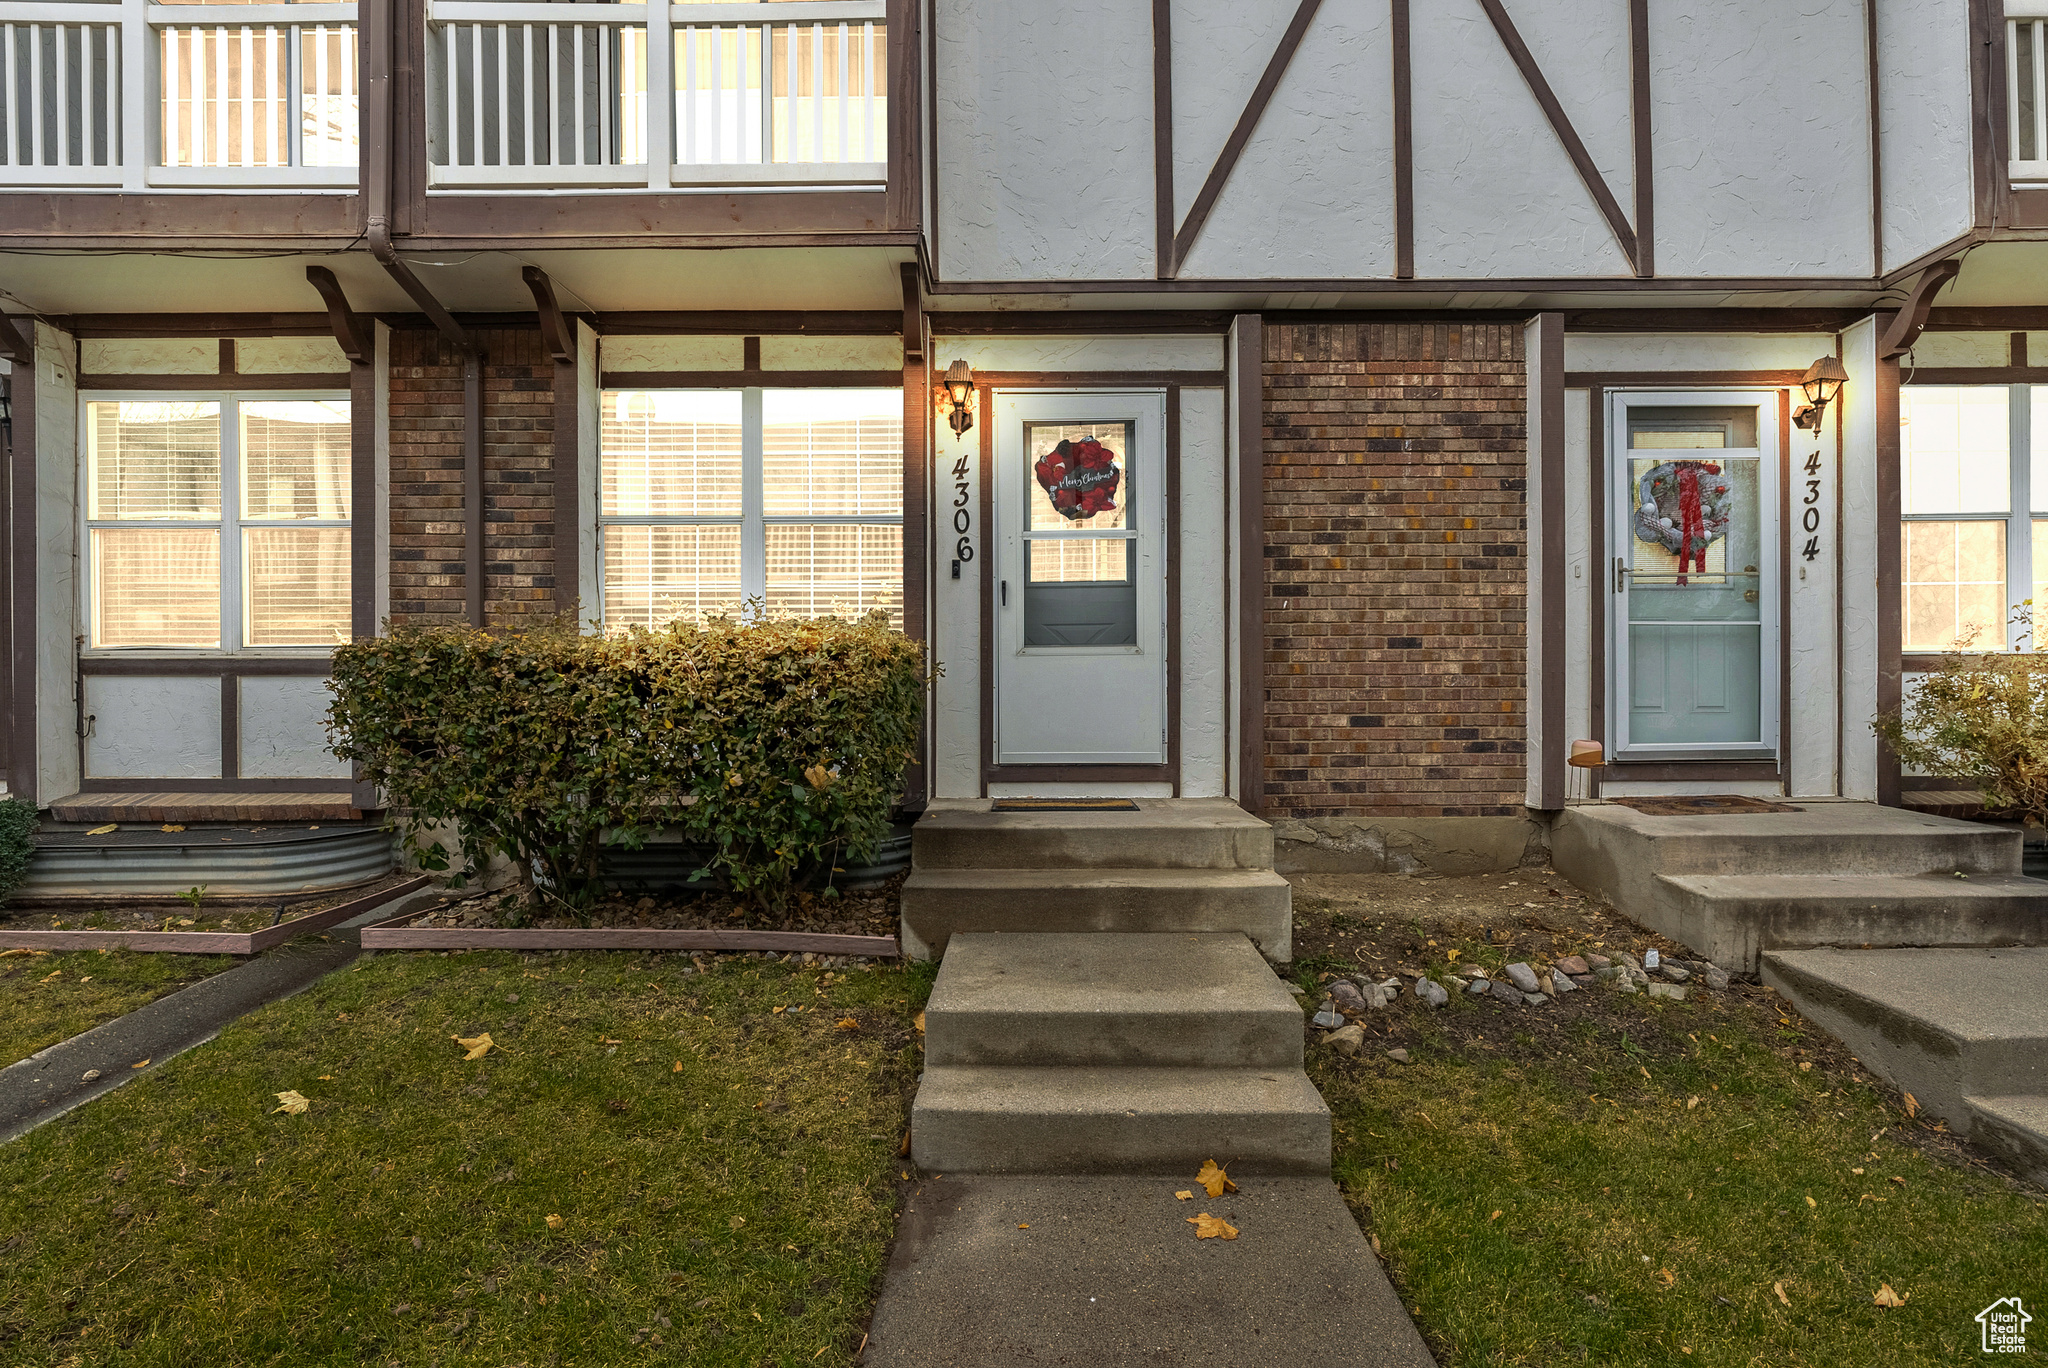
1810, 1202
11, 954
171, 826
1884, 1296
918, 1021
294, 1103
554, 1221
847, 1024
1214, 1180
778, 1011
139, 1064
1185, 1195
1209, 1227
478, 1046
820, 778
1691, 1102
1779, 1288
54, 973
678, 1068
1896, 1179
86, 979
1024, 1225
1857, 1172
1494, 1217
1805, 1065
1912, 1106
607, 1040
1451, 955
103, 830
1665, 1276
326, 1078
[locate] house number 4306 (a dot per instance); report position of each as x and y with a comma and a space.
963, 520
1809, 518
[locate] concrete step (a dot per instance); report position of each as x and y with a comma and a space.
1732, 918
938, 903
1180, 998
1947, 1025
1164, 833
2015, 1129
980, 1119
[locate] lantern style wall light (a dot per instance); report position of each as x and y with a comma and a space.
957, 398
1822, 382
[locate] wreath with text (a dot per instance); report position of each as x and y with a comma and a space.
1080, 478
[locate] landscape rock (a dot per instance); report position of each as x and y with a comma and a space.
1563, 984
1478, 986
1377, 997
1347, 1040
1674, 971
89, 1075
1522, 976
1473, 971
1431, 992
1666, 990
1651, 959
1597, 961
1505, 991
1328, 1018
1624, 984
1534, 999
1398, 1056
1585, 980
1347, 996
1716, 978
1572, 964
1632, 970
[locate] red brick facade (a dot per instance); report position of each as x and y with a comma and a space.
427, 525
1395, 540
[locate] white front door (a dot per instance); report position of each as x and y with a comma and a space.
1080, 578
1693, 584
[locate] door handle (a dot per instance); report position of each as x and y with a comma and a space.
1620, 575
1004, 590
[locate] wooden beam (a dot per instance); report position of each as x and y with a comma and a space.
1640, 124
1162, 136
1911, 319
555, 333
14, 346
913, 314
1596, 184
1262, 95
1404, 145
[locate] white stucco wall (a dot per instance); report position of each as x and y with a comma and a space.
289, 356
1761, 149
1204, 649
149, 356
283, 729
1176, 351
1811, 630
1860, 589
1628, 352
152, 727
57, 551
831, 353
1923, 85
631, 353
1044, 118
956, 616
1962, 349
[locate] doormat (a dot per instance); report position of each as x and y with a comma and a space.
1063, 805
1705, 805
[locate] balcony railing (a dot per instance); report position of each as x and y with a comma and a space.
135, 96
2026, 87
655, 95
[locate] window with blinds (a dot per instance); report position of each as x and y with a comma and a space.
219, 523
714, 500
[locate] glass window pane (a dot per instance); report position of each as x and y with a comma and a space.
1691, 427
297, 585
832, 452
152, 459
653, 575
718, 93
155, 586
1955, 448
225, 100
295, 459
328, 105
2040, 585
1954, 585
815, 570
2037, 445
1079, 560
811, 67
670, 453
1078, 475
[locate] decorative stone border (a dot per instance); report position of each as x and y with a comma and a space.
208, 942
393, 934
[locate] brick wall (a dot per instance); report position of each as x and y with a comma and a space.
427, 524
1395, 539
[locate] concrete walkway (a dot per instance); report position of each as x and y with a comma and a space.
1109, 1273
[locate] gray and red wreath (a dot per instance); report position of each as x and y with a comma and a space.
1080, 478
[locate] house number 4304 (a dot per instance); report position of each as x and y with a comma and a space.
1809, 517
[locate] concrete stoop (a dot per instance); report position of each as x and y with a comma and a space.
1105, 1053
1182, 864
1963, 1030
1736, 886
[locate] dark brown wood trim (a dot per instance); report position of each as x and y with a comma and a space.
179, 222
2002, 319
930, 116
1989, 178
1404, 143
984, 496
362, 495
231, 727
1078, 322
1567, 136
555, 332
409, 91
906, 112
1162, 138
913, 313
1173, 568
217, 785
1545, 351
1642, 126
746, 379
350, 332
1912, 315
325, 380
2017, 350
1248, 407
1956, 246
1690, 771
1436, 286
743, 218
2027, 208
1874, 115
226, 359
1596, 617
195, 325
1890, 611
750, 353
207, 667
18, 350
917, 539
22, 548
1193, 379
1976, 375
1069, 774
1682, 379
1247, 121
744, 322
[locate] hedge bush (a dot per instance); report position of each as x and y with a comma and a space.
780, 745
1982, 719
17, 826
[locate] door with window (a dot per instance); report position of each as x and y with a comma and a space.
1080, 579
1693, 583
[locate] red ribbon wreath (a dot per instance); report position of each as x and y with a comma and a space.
1690, 521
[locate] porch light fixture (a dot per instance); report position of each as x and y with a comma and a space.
1822, 382
957, 398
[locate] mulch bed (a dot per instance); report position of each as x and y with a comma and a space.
869, 912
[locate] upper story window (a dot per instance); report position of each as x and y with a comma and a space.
2026, 86
178, 94
656, 95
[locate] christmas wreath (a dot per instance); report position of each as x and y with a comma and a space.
1683, 506
1080, 478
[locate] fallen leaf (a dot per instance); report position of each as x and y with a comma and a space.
1912, 1106
1896, 1179
554, 1221
1024, 1225
1691, 1102
54, 973
326, 1078
778, 1011
139, 1064
171, 826
294, 1103
678, 1068
478, 1046
11, 954
1494, 1217
86, 979
103, 830
1646, 1072
1857, 1172
1665, 1276
1185, 1195
607, 1040
847, 1024
1779, 1288
1810, 1202
1884, 1296
918, 1021
1209, 1227
1452, 955
1214, 1180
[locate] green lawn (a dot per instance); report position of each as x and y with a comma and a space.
1567, 1200
722, 1174
48, 998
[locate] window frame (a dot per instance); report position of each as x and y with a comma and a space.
2019, 519
753, 520
230, 524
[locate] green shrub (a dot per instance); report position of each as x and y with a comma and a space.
780, 745
17, 827
1982, 719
